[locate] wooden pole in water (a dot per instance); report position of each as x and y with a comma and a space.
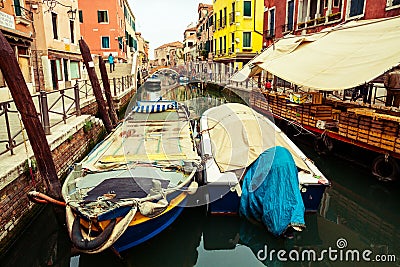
107, 91
101, 104
24, 103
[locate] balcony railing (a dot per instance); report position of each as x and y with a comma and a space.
52, 108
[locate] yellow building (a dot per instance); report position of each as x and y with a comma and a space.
238, 26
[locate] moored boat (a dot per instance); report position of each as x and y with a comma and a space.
136, 182
233, 139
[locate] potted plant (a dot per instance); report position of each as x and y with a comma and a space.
334, 16
310, 22
320, 20
301, 25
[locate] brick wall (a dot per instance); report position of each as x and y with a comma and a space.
15, 206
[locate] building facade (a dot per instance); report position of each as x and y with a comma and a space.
16, 24
205, 31
130, 36
238, 27
190, 44
170, 54
57, 57
309, 16
103, 26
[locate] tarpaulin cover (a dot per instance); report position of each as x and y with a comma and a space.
271, 192
239, 135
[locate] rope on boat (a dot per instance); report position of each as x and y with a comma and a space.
41, 198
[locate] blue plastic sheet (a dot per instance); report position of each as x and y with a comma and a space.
271, 192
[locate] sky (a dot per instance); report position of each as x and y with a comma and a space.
164, 21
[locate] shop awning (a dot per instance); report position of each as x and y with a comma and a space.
338, 58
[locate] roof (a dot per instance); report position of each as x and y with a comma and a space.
173, 44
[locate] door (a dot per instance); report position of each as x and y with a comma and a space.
54, 79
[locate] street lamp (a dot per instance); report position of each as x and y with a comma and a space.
71, 14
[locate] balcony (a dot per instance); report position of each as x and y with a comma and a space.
22, 15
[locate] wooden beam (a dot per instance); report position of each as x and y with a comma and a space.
106, 85
101, 104
30, 117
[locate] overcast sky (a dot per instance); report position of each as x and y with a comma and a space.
164, 21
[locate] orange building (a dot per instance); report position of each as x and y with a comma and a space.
16, 23
103, 24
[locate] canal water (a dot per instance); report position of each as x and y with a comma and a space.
357, 213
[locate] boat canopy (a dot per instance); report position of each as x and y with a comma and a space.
336, 58
239, 135
162, 138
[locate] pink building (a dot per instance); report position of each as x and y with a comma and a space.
308, 16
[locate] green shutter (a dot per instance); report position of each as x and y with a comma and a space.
247, 9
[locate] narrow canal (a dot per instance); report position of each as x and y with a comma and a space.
360, 212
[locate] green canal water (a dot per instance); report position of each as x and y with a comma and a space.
357, 213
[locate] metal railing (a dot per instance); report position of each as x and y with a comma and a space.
52, 108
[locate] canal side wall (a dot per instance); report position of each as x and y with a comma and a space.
70, 146
69, 143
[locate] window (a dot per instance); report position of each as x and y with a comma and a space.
105, 42
80, 14
233, 42
220, 45
247, 8
224, 44
54, 22
59, 72
120, 43
17, 8
356, 8
225, 14
220, 18
393, 2
65, 64
290, 15
102, 16
247, 40
74, 68
336, 3
72, 32
271, 25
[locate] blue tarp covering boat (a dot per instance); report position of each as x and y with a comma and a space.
271, 192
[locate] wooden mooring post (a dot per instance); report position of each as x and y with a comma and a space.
101, 104
107, 91
30, 118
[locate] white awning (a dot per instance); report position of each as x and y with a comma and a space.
338, 58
